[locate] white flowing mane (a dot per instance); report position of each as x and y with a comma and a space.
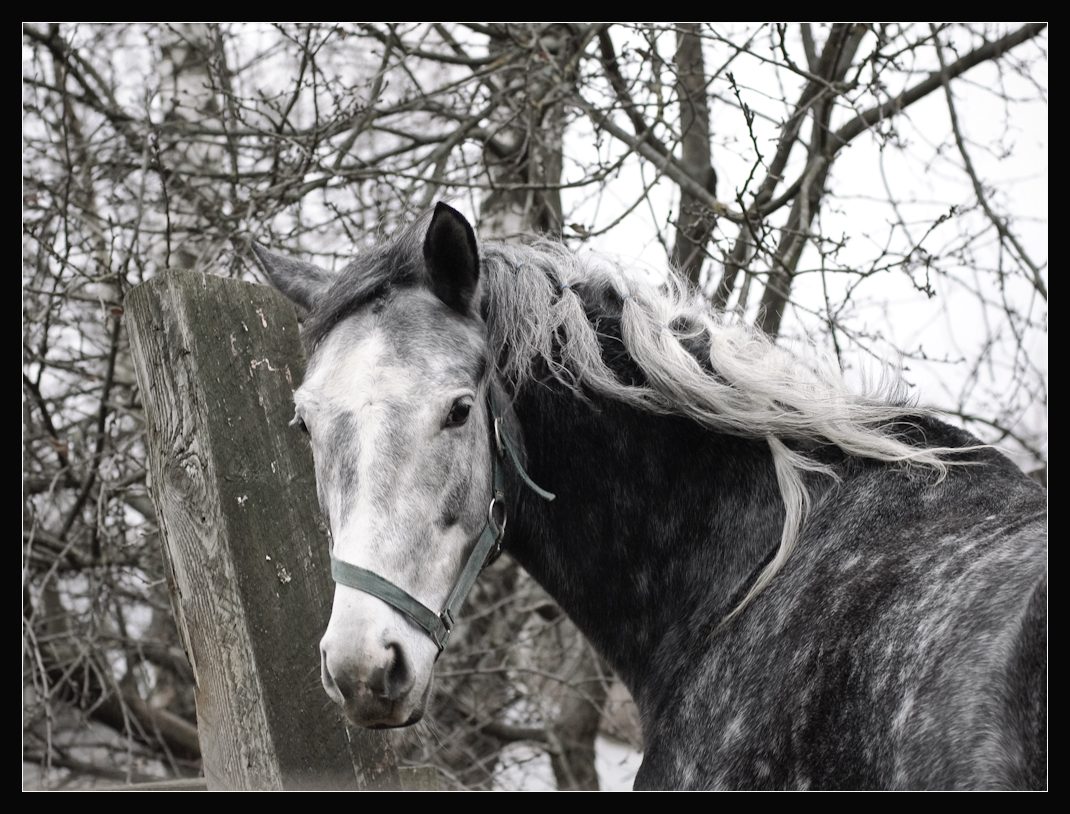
536, 313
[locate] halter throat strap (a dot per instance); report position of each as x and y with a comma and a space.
488, 547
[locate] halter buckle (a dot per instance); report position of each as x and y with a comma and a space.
499, 528
446, 617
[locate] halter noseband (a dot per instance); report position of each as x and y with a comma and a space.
487, 549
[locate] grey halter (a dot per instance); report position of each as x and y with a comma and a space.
487, 549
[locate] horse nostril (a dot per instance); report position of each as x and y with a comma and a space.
400, 675
393, 679
346, 685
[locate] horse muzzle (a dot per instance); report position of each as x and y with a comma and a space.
374, 685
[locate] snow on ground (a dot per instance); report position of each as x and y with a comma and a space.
529, 769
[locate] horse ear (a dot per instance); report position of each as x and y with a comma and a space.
452, 258
303, 283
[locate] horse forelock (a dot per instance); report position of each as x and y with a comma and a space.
370, 277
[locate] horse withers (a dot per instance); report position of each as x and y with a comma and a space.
801, 587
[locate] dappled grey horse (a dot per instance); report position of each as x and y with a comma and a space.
801, 587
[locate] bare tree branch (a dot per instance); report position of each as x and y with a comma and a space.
1001, 226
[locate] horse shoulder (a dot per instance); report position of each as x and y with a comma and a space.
903, 645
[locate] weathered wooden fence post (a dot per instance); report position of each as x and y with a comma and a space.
235, 491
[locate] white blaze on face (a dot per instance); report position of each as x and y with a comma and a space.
357, 393
360, 383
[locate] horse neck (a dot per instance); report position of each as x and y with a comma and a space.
658, 527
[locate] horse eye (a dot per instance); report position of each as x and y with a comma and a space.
300, 422
458, 414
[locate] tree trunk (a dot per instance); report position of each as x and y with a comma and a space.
836, 59
695, 221
524, 159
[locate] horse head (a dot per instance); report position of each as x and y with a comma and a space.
394, 402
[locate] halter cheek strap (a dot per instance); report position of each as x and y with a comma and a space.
487, 548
